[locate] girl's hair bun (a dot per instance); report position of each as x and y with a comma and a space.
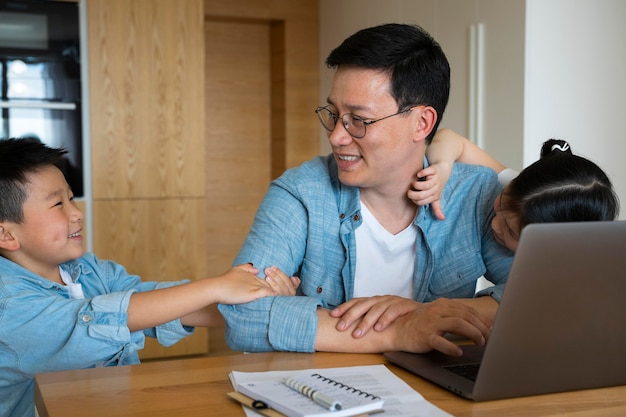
555, 147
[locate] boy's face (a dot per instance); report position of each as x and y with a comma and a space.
51, 231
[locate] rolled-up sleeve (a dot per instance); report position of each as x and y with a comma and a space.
106, 318
272, 323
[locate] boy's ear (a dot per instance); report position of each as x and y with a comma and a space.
7, 240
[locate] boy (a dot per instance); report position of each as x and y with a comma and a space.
62, 308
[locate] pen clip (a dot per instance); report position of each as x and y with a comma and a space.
259, 405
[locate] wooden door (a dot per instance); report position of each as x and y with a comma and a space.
238, 137
261, 89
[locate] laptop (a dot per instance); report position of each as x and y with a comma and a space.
561, 324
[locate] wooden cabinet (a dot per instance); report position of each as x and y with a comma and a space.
147, 97
147, 138
186, 136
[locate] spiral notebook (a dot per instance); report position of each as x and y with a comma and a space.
308, 394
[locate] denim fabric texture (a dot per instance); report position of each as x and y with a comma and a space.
43, 330
305, 225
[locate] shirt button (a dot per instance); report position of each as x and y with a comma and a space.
342, 215
356, 217
86, 318
319, 290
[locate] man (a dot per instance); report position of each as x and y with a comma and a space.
344, 224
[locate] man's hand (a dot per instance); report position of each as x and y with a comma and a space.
374, 312
415, 327
424, 329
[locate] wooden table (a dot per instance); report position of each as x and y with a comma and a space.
198, 387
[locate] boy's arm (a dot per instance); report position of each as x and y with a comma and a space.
152, 308
210, 316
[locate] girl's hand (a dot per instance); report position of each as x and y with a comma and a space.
429, 185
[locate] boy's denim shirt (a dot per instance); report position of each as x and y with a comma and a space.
43, 330
305, 226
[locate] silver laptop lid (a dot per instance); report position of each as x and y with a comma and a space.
561, 325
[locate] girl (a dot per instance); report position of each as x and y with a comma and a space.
559, 187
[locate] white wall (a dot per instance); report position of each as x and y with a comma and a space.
575, 86
340, 19
568, 80
449, 22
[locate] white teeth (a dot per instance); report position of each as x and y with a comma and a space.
348, 158
75, 234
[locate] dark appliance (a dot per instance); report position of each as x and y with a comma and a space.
41, 77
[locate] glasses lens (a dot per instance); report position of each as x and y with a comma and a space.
354, 125
327, 118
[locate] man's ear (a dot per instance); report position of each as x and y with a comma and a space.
7, 240
426, 122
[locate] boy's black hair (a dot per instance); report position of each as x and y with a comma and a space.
18, 159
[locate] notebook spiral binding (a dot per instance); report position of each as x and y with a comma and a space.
346, 387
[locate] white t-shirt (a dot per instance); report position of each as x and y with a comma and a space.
384, 262
506, 175
75, 289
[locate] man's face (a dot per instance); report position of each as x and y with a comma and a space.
391, 153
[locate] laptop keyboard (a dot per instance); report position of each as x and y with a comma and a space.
469, 370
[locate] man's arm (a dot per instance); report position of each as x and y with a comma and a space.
379, 312
420, 330
280, 236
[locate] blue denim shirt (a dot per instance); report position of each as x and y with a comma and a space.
305, 225
42, 329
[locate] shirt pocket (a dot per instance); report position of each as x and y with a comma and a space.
318, 281
456, 276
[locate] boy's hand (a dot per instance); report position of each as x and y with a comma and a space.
241, 285
281, 284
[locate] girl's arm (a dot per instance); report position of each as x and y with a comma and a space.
449, 147
446, 148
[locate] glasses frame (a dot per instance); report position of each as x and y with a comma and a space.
346, 124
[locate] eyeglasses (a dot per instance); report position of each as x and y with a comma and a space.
354, 125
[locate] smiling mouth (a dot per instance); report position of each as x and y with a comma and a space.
77, 234
348, 158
